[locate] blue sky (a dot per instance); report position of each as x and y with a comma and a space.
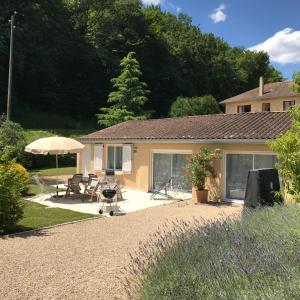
272, 26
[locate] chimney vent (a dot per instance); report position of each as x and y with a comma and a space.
261, 86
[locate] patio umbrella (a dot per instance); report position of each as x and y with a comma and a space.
56, 145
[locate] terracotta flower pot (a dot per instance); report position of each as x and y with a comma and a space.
202, 196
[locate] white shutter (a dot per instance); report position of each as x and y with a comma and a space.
86, 158
98, 157
127, 158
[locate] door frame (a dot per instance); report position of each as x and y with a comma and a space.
225, 169
162, 151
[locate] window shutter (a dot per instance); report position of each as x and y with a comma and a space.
127, 158
98, 156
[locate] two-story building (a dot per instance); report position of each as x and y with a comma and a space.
146, 153
277, 96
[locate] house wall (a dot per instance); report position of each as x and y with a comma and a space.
256, 105
140, 177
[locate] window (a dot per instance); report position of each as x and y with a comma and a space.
288, 104
237, 167
266, 107
243, 108
114, 157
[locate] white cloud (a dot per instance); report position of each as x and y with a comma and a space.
173, 6
164, 3
151, 2
219, 15
283, 47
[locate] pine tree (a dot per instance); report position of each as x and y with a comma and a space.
129, 97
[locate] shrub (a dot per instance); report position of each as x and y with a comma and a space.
287, 148
22, 176
254, 258
200, 167
12, 180
184, 106
12, 141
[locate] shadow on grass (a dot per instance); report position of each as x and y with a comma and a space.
23, 232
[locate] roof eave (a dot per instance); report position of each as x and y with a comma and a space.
179, 140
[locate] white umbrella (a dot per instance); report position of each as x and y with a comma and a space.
55, 146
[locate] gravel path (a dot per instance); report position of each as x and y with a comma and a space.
83, 260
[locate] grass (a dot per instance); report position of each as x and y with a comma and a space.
38, 216
257, 257
34, 134
54, 171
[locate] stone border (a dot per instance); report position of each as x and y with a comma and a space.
6, 236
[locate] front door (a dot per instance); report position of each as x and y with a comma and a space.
237, 168
168, 166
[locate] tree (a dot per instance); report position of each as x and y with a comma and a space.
128, 100
287, 149
296, 82
12, 141
184, 106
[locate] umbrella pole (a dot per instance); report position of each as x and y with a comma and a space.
56, 176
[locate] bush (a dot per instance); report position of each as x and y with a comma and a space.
287, 148
22, 176
184, 106
255, 258
12, 141
12, 180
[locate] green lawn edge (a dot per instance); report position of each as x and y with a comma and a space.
37, 216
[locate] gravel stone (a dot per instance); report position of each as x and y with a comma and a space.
84, 260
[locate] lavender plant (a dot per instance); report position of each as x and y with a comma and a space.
255, 257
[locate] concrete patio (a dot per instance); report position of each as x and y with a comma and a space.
132, 201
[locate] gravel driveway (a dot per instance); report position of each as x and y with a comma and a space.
83, 260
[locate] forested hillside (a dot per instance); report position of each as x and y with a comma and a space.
66, 52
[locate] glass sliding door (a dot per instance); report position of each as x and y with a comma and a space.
162, 169
179, 180
237, 168
169, 165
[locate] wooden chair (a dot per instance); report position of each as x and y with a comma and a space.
73, 185
94, 186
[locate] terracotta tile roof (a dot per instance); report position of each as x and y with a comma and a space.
264, 125
271, 90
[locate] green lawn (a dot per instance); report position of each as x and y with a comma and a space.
54, 171
257, 257
38, 216
34, 134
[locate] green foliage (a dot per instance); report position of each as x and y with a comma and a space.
128, 100
21, 175
296, 82
11, 187
66, 73
201, 167
184, 106
287, 148
12, 141
253, 257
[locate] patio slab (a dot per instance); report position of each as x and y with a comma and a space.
133, 201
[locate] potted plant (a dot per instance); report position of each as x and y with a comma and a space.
200, 167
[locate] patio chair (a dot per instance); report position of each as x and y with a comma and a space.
73, 185
163, 190
93, 187
91, 176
